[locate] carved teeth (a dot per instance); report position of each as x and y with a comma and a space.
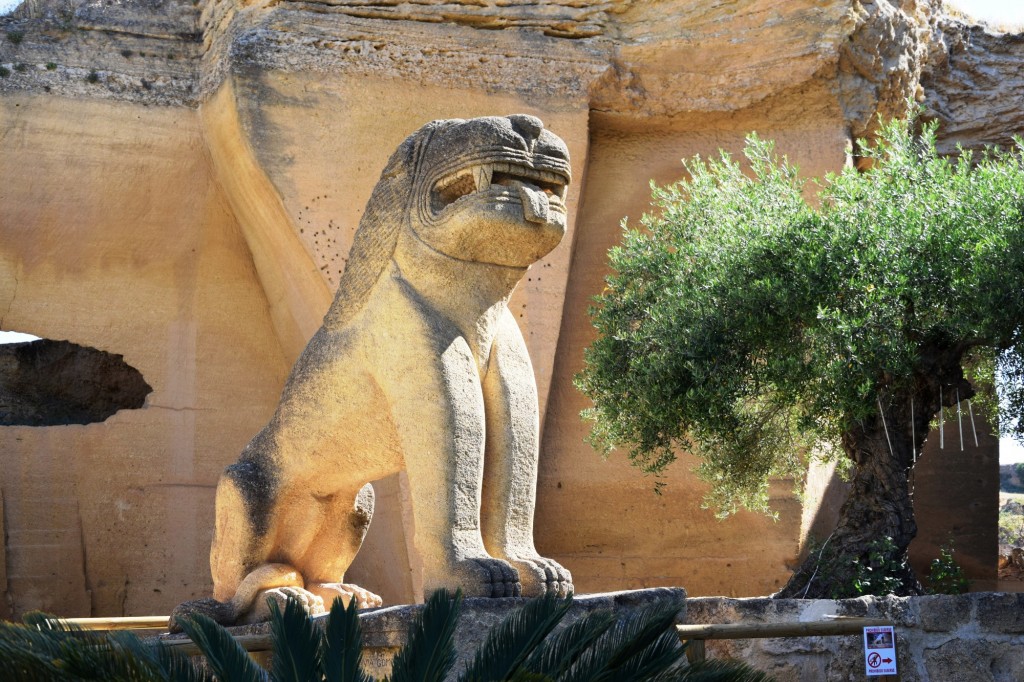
480, 177
483, 175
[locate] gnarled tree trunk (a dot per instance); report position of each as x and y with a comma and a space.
880, 504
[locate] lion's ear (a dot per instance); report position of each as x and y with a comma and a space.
405, 157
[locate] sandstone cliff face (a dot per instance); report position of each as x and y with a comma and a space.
180, 182
973, 85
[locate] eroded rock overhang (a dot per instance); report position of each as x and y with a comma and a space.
630, 61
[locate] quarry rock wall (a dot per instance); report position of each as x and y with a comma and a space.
973, 637
179, 185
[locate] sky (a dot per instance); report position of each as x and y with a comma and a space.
992, 11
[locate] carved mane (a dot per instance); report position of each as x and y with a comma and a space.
374, 243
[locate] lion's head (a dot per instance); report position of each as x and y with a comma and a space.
488, 190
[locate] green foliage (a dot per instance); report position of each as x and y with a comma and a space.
849, 577
430, 653
298, 646
51, 66
44, 649
227, 659
597, 648
881, 573
92, 77
4, 72
508, 646
752, 327
945, 575
15, 37
343, 645
1011, 525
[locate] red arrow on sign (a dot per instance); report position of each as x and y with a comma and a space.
886, 660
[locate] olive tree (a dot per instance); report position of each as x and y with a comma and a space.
757, 329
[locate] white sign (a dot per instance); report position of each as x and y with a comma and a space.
880, 650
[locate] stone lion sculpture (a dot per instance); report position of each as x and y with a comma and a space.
419, 365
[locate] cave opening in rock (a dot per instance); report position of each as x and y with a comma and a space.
54, 383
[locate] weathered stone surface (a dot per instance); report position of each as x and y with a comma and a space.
966, 660
95, 181
938, 638
419, 365
386, 630
944, 613
1003, 613
142, 51
973, 85
124, 244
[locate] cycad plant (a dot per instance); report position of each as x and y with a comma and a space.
525, 647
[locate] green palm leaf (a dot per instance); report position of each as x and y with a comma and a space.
343, 645
117, 657
721, 671
560, 651
430, 653
226, 658
297, 643
641, 644
510, 643
178, 666
28, 654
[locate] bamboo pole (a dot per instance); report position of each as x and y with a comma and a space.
118, 623
825, 628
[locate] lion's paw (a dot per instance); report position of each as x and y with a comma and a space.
346, 592
260, 612
485, 577
543, 576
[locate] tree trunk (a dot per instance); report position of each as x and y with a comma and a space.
880, 504
879, 507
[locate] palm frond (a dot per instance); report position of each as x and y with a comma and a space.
343, 645
662, 654
225, 656
47, 648
714, 671
114, 656
560, 651
297, 643
511, 642
28, 655
173, 665
640, 644
522, 675
430, 653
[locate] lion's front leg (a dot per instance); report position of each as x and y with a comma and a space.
510, 470
439, 414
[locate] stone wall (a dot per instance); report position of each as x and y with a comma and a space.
180, 182
977, 637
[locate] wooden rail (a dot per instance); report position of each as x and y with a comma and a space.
251, 643
821, 628
119, 623
696, 635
